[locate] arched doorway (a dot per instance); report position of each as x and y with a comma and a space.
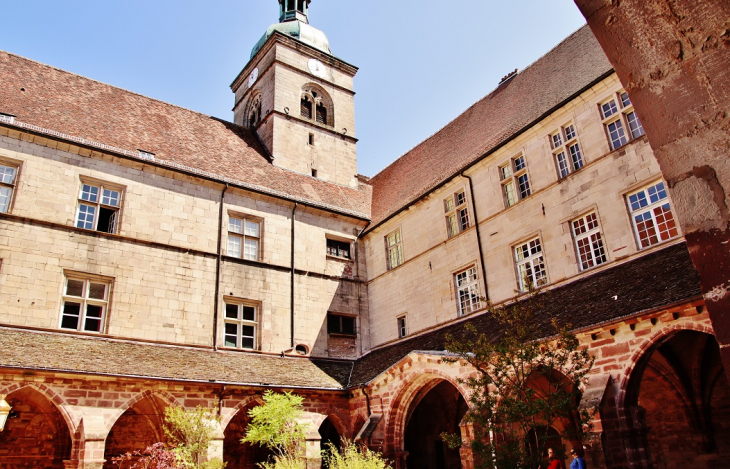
330, 437
140, 426
677, 404
239, 455
37, 435
439, 409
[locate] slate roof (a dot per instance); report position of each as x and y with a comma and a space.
652, 281
61, 102
65, 353
532, 94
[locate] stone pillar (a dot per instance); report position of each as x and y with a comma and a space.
636, 441
672, 57
313, 452
398, 458
91, 456
465, 451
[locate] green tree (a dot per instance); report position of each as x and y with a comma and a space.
189, 433
527, 384
352, 457
276, 425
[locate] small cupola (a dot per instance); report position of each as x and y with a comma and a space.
290, 10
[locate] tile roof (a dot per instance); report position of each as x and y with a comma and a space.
652, 281
65, 353
571, 66
49, 98
658, 279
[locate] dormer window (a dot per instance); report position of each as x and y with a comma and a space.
316, 105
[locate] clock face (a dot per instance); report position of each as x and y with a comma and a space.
316, 67
252, 78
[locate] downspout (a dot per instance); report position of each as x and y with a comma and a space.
218, 271
291, 304
359, 284
367, 398
479, 237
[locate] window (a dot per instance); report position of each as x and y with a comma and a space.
588, 241
98, 207
515, 183
338, 248
7, 185
339, 324
254, 112
467, 290
394, 249
244, 237
316, 105
402, 329
240, 325
618, 117
566, 150
85, 301
530, 265
651, 215
457, 215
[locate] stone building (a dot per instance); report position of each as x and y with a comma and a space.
178, 259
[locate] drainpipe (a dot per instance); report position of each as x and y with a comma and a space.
218, 271
291, 305
479, 237
359, 285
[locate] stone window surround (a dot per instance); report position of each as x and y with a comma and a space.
514, 180
566, 151
456, 213
466, 289
590, 233
87, 299
538, 277
394, 249
341, 324
251, 238
241, 307
104, 205
672, 228
402, 321
619, 120
333, 241
9, 173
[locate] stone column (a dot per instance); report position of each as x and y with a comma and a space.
672, 57
313, 452
636, 441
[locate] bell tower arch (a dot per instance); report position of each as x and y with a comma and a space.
299, 98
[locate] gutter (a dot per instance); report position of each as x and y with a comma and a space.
218, 271
479, 237
291, 304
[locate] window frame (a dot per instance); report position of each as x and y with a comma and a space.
349, 244
595, 244
240, 322
318, 104
510, 174
243, 236
397, 247
650, 208
530, 260
402, 323
98, 204
624, 119
564, 145
84, 301
341, 329
456, 213
10, 187
471, 289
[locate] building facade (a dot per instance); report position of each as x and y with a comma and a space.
184, 260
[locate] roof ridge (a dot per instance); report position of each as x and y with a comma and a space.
478, 101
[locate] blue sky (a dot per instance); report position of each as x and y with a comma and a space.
421, 62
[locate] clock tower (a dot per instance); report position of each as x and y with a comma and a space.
299, 98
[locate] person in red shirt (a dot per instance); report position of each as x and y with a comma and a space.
553, 462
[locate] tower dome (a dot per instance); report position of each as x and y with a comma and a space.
294, 22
